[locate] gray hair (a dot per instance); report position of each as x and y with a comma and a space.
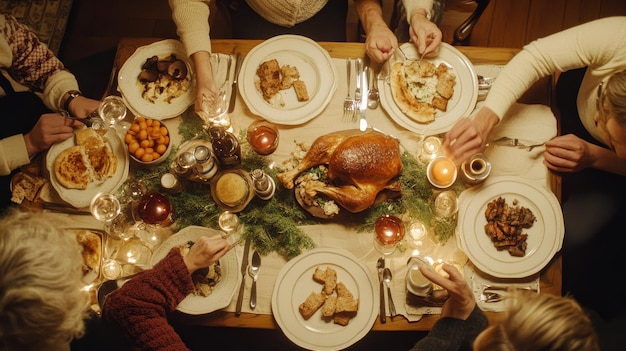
616, 95
42, 306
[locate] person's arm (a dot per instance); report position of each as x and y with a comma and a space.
422, 31
141, 305
598, 44
192, 26
453, 333
29, 62
461, 319
380, 41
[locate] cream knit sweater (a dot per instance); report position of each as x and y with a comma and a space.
599, 45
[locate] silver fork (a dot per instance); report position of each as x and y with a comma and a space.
348, 102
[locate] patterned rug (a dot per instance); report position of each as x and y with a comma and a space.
47, 18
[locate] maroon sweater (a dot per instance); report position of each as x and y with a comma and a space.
141, 305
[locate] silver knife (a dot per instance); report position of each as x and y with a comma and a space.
358, 65
233, 89
380, 266
244, 269
363, 102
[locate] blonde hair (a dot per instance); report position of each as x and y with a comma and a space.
615, 93
540, 322
42, 306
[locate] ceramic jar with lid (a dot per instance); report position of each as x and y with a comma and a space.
416, 283
476, 169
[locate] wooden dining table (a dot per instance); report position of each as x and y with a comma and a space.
550, 276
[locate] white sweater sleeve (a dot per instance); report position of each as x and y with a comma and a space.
192, 24
599, 45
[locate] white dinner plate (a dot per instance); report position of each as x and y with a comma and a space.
222, 292
461, 103
316, 70
545, 237
294, 284
131, 88
80, 198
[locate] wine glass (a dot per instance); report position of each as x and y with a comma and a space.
105, 207
214, 107
388, 233
112, 110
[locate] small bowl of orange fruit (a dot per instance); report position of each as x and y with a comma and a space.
148, 141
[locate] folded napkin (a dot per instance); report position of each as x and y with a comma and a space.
479, 281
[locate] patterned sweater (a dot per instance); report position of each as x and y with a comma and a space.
30, 63
141, 305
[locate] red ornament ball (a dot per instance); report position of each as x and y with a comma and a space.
155, 208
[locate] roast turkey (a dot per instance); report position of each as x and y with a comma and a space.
360, 166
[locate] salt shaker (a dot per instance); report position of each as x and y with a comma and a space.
476, 169
225, 147
170, 183
205, 167
183, 164
264, 185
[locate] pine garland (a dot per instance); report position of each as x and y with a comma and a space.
274, 224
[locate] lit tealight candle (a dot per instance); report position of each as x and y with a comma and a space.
442, 172
430, 148
111, 269
417, 231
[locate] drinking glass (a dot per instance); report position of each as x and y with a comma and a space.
388, 232
112, 110
214, 107
445, 204
105, 207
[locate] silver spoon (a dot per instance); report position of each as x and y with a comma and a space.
372, 96
387, 280
253, 271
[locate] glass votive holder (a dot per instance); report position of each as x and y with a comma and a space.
262, 137
445, 204
388, 232
431, 146
229, 223
111, 269
441, 172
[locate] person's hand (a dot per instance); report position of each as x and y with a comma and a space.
205, 251
460, 302
380, 43
467, 137
567, 153
425, 35
51, 128
205, 85
82, 106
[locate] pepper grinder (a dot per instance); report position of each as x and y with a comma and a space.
264, 185
226, 147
